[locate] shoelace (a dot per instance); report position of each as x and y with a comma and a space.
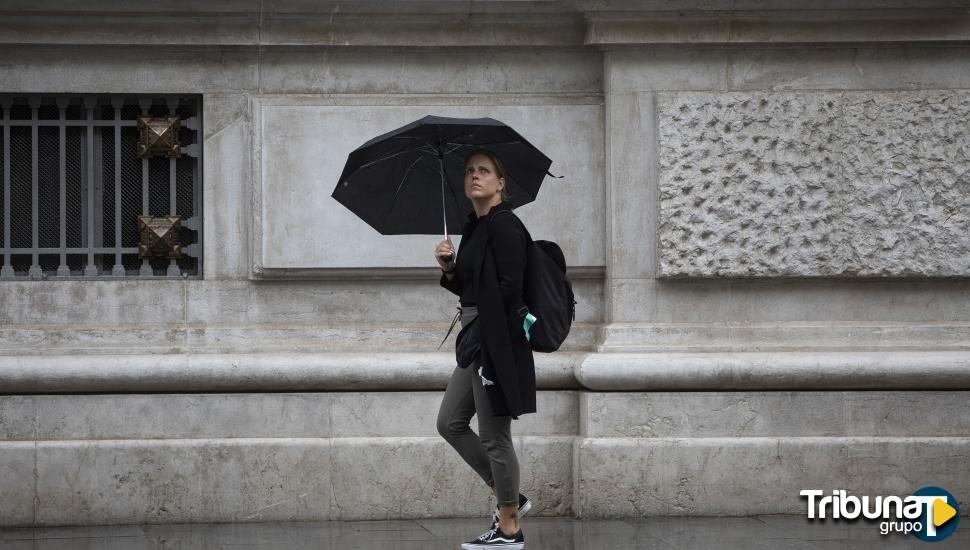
487, 534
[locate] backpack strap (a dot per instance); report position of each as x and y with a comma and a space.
524, 309
528, 237
451, 328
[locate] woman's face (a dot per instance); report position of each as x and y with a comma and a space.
481, 181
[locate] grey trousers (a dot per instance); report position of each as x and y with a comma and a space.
490, 453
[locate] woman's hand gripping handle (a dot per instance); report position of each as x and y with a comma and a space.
444, 253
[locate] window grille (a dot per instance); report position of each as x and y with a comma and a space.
73, 187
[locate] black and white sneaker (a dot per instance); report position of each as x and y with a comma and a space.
524, 506
495, 538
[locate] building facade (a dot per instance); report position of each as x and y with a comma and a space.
765, 207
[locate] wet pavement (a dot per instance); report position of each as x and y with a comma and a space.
723, 533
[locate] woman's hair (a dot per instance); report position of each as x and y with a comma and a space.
499, 168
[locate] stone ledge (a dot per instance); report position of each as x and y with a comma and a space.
340, 27
264, 372
885, 369
199, 338
459, 24
778, 26
783, 336
793, 370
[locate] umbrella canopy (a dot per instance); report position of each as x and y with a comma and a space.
411, 181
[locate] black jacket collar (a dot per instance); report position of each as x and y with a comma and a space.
504, 205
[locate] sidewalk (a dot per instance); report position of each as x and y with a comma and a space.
748, 533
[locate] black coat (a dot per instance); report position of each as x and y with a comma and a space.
498, 258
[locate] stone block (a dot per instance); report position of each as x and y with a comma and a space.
775, 414
18, 417
227, 174
126, 70
293, 190
791, 336
253, 415
625, 477
419, 477
92, 302
736, 302
18, 478
278, 479
161, 481
632, 180
665, 68
887, 67
467, 70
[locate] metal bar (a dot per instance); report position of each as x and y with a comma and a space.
78, 123
75, 250
119, 268
90, 270
146, 267
173, 269
7, 269
62, 268
34, 270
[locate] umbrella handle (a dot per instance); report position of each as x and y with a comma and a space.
444, 214
447, 258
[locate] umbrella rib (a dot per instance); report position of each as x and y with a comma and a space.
468, 136
426, 142
388, 157
459, 145
406, 174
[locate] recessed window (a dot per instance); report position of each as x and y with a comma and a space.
80, 171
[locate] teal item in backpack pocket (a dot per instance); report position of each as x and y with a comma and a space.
527, 323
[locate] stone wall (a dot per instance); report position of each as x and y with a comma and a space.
763, 205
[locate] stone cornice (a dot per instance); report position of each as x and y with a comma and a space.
389, 273
778, 26
313, 28
439, 23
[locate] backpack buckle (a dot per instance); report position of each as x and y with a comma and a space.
523, 310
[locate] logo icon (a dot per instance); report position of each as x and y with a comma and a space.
941, 518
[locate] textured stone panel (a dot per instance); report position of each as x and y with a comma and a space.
814, 184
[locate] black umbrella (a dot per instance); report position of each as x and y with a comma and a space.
411, 181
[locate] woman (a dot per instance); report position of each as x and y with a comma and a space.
499, 383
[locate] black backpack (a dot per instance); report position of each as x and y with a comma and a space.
548, 294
